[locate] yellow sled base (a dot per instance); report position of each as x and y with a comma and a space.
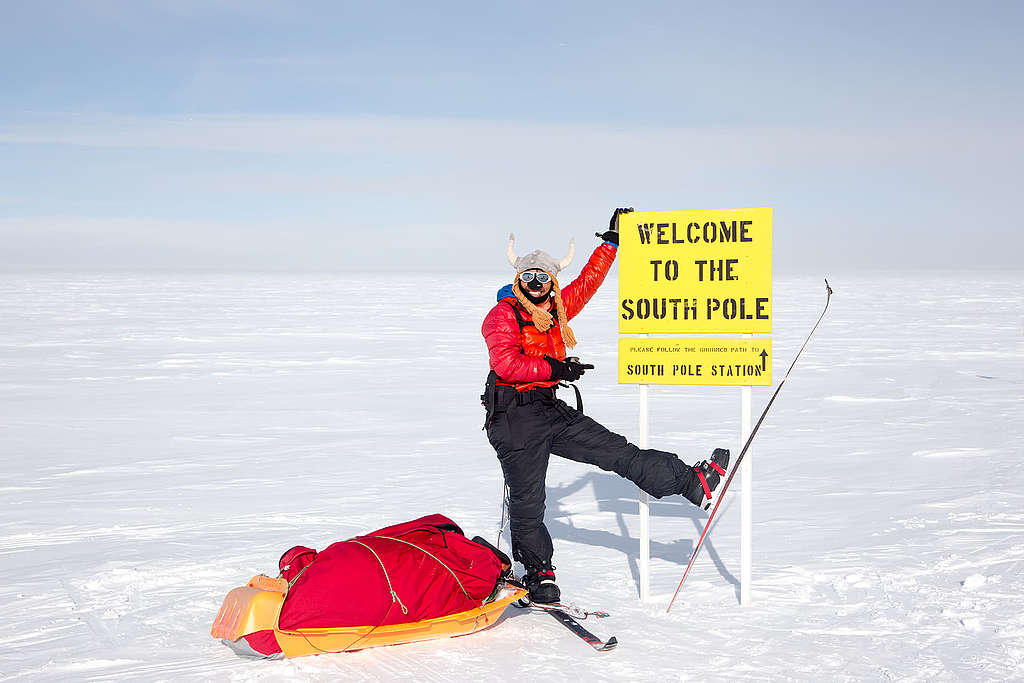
257, 606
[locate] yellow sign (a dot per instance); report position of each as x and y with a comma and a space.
706, 361
695, 271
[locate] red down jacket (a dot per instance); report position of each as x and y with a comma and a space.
517, 356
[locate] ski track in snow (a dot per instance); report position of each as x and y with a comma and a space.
165, 437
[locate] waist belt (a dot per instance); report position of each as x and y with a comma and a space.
507, 394
499, 396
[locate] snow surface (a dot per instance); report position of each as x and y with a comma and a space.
165, 437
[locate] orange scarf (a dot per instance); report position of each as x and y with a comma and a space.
541, 318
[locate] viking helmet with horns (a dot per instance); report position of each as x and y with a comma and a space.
538, 259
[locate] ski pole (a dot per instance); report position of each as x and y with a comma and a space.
746, 446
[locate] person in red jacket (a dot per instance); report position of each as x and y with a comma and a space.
527, 335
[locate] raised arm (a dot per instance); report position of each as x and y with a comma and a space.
577, 293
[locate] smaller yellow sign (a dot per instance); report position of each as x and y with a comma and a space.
704, 361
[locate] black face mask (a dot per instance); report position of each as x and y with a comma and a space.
533, 294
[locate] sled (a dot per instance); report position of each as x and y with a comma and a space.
255, 608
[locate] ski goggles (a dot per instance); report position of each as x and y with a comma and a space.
529, 277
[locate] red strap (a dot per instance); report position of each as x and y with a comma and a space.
703, 482
717, 467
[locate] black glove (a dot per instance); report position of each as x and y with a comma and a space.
570, 369
612, 235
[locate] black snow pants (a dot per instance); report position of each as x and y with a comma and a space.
526, 427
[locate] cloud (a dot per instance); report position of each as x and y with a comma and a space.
552, 155
131, 243
276, 189
322, 134
143, 13
68, 241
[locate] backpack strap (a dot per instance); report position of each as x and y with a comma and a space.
519, 318
523, 322
579, 396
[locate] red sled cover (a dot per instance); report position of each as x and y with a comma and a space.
404, 573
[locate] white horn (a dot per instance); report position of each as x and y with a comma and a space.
568, 257
510, 251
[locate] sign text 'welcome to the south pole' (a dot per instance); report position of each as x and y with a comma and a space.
695, 272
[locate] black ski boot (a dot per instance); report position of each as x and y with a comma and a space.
542, 586
708, 474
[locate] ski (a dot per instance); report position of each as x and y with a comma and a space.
746, 446
574, 611
587, 636
556, 610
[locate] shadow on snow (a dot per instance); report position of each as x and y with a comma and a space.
619, 496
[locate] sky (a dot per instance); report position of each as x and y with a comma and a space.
342, 136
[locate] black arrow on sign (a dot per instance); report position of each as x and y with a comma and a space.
764, 356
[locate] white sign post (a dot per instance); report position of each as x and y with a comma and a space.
645, 509
745, 502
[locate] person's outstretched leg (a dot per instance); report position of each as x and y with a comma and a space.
659, 473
